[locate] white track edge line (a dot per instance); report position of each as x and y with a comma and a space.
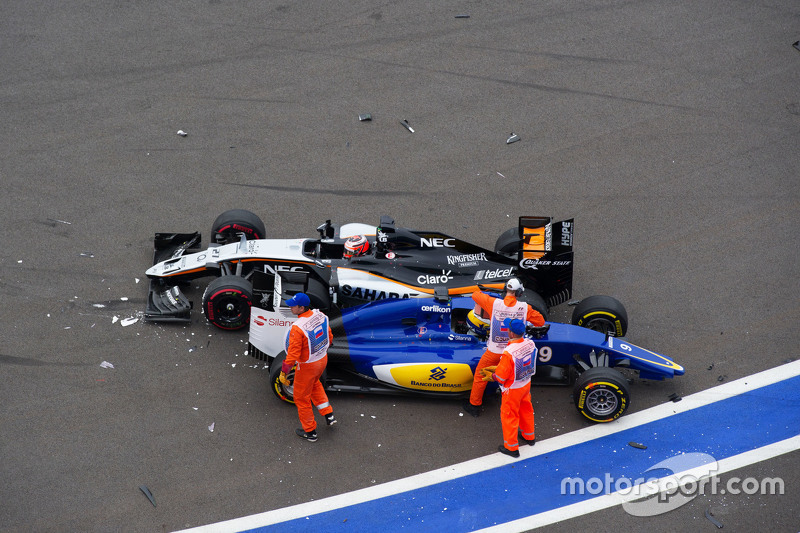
616, 498
481, 464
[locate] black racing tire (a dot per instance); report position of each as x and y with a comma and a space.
318, 294
227, 227
601, 394
601, 313
227, 301
509, 243
280, 390
535, 301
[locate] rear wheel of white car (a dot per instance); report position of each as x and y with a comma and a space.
230, 224
283, 392
227, 301
509, 243
535, 301
601, 394
601, 313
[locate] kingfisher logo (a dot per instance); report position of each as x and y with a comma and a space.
438, 373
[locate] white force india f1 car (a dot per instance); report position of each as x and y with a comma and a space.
399, 263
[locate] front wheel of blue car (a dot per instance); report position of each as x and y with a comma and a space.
601, 394
283, 392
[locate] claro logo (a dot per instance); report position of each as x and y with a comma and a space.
427, 279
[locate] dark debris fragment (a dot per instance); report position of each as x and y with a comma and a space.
674, 397
712, 519
147, 493
637, 445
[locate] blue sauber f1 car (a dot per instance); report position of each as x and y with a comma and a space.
427, 346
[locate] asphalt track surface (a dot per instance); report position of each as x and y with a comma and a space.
668, 130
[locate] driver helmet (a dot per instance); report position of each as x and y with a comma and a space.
479, 324
515, 285
355, 246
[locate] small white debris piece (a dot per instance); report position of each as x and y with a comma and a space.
182, 133
68, 327
460, 414
233, 365
106, 364
124, 298
137, 280
195, 408
500, 175
513, 138
20, 261
128, 321
114, 320
211, 427
48, 315
98, 305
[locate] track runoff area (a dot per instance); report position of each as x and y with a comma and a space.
648, 462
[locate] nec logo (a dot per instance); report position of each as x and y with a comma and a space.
437, 242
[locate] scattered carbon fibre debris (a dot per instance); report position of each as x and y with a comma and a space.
147, 493
193, 348
712, 519
56, 221
86, 254
674, 397
797, 45
573, 302
637, 445
182, 133
462, 16
125, 322
711, 366
106, 364
406, 125
365, 117
513, 138
721, 378
211, 427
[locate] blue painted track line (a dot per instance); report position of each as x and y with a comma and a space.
723, 422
